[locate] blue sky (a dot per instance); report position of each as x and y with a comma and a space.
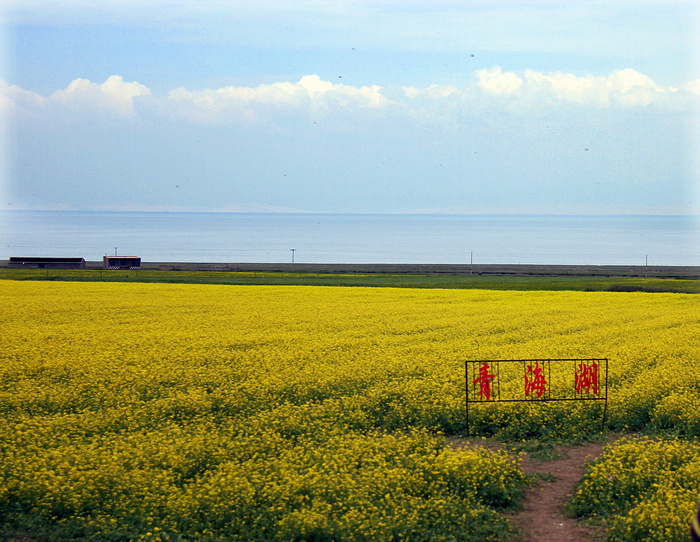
543, 107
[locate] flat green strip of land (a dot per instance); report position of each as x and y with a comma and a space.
529, 279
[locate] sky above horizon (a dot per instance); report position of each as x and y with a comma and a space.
351, 106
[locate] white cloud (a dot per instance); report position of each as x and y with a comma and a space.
692, 86
624, 88
114, 93
433, 92
494, 81
309, 92
13, 98
312, 96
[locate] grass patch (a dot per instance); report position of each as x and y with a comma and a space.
388, 280
539, 450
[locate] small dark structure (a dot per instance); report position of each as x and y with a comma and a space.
47, 263
121, 262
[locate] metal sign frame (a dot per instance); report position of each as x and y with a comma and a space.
486, 372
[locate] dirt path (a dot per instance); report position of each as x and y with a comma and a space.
542, 518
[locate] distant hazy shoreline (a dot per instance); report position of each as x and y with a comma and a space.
340, 240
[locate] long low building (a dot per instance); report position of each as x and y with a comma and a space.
46, 263
121, 262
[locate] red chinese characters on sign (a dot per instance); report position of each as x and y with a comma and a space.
534, 381
545, 380
484, 380
586, 378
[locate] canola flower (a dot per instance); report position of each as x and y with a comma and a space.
184, 412
646, 489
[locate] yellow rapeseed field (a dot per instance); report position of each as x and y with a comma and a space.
186, 412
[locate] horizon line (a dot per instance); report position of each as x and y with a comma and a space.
690, 213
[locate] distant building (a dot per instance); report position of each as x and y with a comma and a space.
47, 263
121, 262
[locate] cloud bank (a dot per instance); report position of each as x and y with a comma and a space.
310, 94
491, 87
114, 95
624, 88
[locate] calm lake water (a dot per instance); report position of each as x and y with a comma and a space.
329, 238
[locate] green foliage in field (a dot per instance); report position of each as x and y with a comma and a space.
458, 281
